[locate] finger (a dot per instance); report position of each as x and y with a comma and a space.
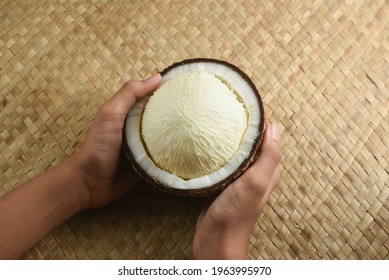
269, 158
257, 178
271, 154
122, 101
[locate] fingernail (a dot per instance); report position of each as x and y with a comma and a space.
275, 132
153, 78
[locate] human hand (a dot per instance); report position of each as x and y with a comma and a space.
99, 163
224, 227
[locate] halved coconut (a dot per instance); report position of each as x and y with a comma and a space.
199, 131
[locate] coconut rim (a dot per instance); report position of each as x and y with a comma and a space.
241, 169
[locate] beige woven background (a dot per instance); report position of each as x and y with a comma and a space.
321, 66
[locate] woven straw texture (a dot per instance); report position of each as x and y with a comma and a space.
322, 68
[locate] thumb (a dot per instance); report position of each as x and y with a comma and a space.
131, 91
271, 154
260, 174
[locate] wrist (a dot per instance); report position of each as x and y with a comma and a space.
79, 188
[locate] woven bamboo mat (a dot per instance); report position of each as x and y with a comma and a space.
323, 70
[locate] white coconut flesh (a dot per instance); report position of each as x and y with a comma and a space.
197, 128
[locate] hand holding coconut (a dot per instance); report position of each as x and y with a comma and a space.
225, 226
105, 172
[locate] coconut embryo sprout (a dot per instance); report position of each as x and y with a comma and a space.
200, 125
